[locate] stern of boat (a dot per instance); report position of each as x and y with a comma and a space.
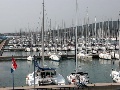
58, 80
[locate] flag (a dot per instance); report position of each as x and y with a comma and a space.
14, 65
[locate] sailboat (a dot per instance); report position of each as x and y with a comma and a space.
116, 74
84, 55
44, 75
55, 56
77, 77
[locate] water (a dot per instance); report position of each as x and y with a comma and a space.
98, 69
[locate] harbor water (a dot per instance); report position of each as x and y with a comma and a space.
98, 70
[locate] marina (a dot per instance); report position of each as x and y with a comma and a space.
98, 69
51, 55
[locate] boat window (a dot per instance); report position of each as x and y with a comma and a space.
47, 73
43, 74
53, 73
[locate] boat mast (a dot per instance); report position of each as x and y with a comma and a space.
43, 37
95, 32
76, 39
119, 37
87, 31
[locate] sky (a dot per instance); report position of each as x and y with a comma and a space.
25, 15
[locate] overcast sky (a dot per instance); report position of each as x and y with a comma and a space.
24, 14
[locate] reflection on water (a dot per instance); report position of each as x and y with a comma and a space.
102, 61
54, 64
29, 62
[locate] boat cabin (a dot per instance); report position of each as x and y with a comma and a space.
46, 73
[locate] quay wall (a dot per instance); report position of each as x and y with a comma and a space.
96, 86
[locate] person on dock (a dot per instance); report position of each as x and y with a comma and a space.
81, 82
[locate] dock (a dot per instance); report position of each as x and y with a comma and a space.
96, 86
37, 57
14, 49
4, 42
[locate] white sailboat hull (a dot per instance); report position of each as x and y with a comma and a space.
54, 57
56, 79
30, 58
115, 76
82, 56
